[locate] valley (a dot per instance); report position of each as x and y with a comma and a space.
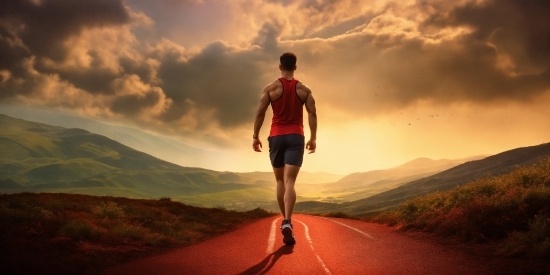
36, 157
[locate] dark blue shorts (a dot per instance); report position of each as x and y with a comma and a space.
286, 149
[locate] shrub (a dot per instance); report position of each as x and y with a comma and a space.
258, 213
390, 217
535, 241
136, 233
70, 234
511, 207
339, 214
108, 210
79, 230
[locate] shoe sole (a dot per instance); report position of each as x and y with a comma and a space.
288, 238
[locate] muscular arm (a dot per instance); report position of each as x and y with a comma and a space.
259, 120
312, 117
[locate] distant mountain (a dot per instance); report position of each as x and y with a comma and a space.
158, 146
362, 185
459, 175
303, 177
37, 157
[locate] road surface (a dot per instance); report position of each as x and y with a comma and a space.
323, 246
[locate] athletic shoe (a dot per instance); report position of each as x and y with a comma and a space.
286, 229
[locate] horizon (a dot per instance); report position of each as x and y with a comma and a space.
394, 81
43, 117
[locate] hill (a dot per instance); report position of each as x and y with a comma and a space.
448, 179
158, 146
36, 157
79, 234
304, 177
362, 185
510, 210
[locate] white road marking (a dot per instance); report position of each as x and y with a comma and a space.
271, 239
308, 238
350, 227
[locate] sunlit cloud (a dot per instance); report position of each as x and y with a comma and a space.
195, 69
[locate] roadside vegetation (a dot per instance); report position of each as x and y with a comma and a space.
511, 210
79, 234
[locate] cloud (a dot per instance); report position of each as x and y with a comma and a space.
222, 79
518, 30
305, 18
134, 96
361, 58
395, 61
43, 26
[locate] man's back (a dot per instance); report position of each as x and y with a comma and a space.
275, 90
288, 114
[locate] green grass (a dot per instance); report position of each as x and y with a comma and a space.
339, 214
68, 170
101, 191
242, 199
96, 150
512, 209
78, 234
36, 157
22, 144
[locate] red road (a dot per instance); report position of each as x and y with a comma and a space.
324, 246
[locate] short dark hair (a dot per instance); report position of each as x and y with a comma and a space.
288, 61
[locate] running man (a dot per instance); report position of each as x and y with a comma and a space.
287, 97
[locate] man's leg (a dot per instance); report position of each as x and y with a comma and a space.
290, 172
279, 177
290, 175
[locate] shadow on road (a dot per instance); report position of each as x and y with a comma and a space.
266, 264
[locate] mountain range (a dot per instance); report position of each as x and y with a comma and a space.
461, 174
161, 147
362, 185
37, 157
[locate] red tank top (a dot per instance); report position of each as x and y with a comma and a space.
287, 111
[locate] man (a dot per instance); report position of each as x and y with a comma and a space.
287, 97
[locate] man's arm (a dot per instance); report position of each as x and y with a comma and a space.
312, 117
259, 120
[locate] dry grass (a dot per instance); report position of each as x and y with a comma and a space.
511, 209
78, 234
339, 214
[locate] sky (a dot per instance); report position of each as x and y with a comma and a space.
393, 80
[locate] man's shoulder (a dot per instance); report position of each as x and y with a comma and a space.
273, 85
301, 86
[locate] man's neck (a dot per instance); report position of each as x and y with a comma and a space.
288, 75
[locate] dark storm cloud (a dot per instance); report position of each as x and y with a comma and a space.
219, 83
322, 7
133, 104
528, 20
10, 54
268, 36
520, 28
498, 50
506, 31
492, 52
44, 25
219, 78
282, 2
40, 30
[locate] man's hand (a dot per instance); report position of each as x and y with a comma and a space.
311, 146
256, 144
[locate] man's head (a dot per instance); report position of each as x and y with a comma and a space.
288, 61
